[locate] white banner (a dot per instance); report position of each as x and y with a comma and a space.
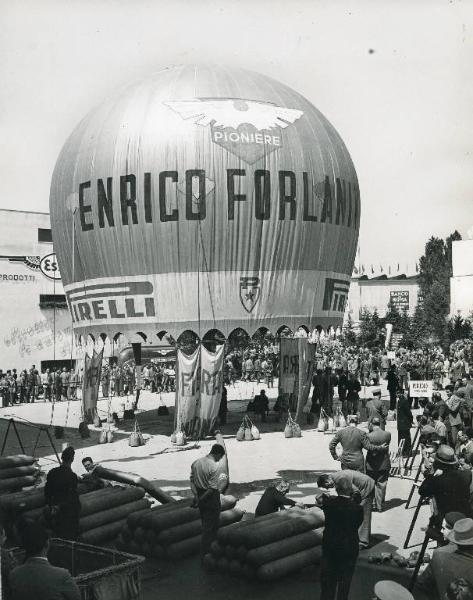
420, 389
211, 384
187, 390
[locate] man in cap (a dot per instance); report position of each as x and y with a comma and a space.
449, 486
340, 543
274, 498
204, 480
390, 590
376, 409
450, 561
378, 464
362, 487
353, 441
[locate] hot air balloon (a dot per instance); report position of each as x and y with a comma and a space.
201, 198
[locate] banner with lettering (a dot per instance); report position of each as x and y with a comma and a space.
90, 385
187, 391
296, 371
211, 385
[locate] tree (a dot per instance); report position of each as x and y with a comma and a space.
370, 328
349, 333
434, 282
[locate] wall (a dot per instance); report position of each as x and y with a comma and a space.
461, 284
376, 293
26, 331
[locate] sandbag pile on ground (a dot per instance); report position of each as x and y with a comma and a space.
104, 512
269, 547
171, 531
18, 472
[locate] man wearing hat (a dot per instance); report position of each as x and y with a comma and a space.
378, 464
451, 561
390, 590
377, 410
449, 486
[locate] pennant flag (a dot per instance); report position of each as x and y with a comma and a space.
389, 269
381, 268
90, 385
372, 270
398, 267
362, 268
417, 268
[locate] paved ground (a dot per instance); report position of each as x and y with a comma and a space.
253, 465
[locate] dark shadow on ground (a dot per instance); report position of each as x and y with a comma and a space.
393, 503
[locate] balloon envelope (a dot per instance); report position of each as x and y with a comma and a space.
205, 198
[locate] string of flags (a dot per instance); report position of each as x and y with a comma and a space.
391, 270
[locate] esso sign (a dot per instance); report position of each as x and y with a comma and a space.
49, 267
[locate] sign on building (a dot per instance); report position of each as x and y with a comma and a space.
420, 389
400, 299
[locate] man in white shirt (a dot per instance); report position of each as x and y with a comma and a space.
204, 480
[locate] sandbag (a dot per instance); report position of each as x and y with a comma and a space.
223, 564
234, 566
180, 438
146, 516
193, 528
173, 437
209, 561
330, 425
240, 434
103, 533
109, 436
282, 548
184, 548
288, 431
247, 529
160, 522
126, 533
103, 437
108, 498
321, 425
255, 434
158, 551
248, 436
17, 483
313, 519
289, 564
296, 430
134, 520
16, 460
21, 471
342, 422
110, 515
232, 533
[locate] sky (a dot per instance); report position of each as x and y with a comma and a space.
394, 78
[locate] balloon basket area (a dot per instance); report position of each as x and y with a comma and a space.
92, 566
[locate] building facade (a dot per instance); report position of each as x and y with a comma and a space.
461, 283
377, 292
35, 325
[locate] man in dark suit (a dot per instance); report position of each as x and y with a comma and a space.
404, 422
353, 441
36, 578
340, 544
449, 486
362, 487
378, 464
62, 498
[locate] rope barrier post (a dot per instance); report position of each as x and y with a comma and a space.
53, 446
414, 483
419, 562
414, 449
421, 503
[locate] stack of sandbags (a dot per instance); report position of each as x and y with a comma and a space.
104, 512
172, 530
18, 472
269, 547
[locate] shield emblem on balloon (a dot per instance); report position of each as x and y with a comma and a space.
250, 292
